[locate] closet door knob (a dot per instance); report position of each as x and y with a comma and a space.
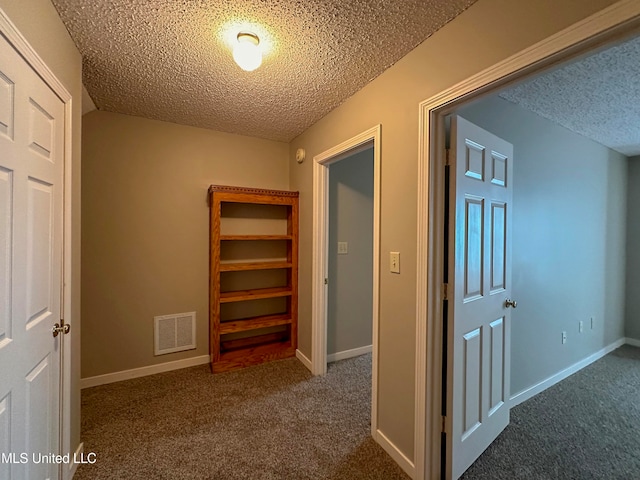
60, 328
510, 303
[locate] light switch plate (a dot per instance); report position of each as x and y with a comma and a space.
394, 262
343, 248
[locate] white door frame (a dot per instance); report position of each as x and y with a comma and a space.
320, 259
613, 22
22, 46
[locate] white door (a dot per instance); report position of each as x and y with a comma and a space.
31, 206
479, 347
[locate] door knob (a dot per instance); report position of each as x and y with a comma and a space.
58, 329
510, 303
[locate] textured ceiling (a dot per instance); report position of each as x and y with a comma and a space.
597, 97
171, 59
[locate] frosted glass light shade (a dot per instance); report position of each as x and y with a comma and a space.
247, 53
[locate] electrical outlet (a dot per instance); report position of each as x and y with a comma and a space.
343, 248
580, 326
564, 337
394, 261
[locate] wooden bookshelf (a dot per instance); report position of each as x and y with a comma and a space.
236, 267
256, 294
241, 342
256, 237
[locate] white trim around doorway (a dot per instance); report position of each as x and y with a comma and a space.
321, 162
22, 46
613, 22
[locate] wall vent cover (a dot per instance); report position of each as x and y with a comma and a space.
174, 333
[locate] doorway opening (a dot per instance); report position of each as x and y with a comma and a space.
365, 141
350, 262
611, 24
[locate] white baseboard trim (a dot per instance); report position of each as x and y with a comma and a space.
399, 457
143, 371
354, 352
527, 393
304, 360
73, 466
632, 341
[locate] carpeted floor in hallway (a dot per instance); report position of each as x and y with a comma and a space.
273, 421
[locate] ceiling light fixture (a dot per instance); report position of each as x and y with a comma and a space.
247, 52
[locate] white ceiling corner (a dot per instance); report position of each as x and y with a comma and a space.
167, 60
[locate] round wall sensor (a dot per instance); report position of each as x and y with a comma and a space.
300, 155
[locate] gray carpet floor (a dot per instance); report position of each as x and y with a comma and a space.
276, 421
272, 421
585, 427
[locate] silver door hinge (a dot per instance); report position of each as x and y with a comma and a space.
445, 291
446, 158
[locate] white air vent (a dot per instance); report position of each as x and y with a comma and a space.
174, 333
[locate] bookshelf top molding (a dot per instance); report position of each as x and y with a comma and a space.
251, 191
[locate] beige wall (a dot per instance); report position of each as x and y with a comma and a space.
488, 32
145, 178
145, 237
38, 21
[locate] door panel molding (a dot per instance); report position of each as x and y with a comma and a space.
14, 37
477, 362
613, 22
